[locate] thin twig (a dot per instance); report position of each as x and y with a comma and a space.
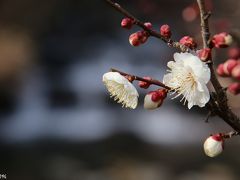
230, 134
218, 104
151, 32
209, 114
205, 37
152, 81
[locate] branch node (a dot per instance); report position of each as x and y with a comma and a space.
151, 32
224, 89
207, 15
230, 134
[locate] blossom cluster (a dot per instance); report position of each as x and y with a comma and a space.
231, 68
187, 76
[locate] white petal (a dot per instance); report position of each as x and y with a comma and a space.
212, 147
205, 96
167, 78
199, 68
190, 105
149, 104
189, 76
181, 56
170, 64
200, 86
115, 76
121, 89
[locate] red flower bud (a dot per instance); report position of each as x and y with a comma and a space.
222, 40
138, 38
213, 145
163, 92
148, 25
220, 70
156, 96
154, 99
204, 54
236, 72
234, 88
188, 41
143, 84
229, 65
234, 53
143, 35
165, 31
127, 23
134, 39
190, 13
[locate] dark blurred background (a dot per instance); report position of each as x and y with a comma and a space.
57, 121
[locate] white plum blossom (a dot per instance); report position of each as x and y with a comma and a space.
188, 76
213, 145
121, 89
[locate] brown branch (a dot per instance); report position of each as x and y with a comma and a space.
204, 23
206, 36
151, 32
152, 81
230, 134
209, 114
219, 101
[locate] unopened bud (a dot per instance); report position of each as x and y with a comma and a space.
236, 72
127, 23
222, 40
234, 53
188, 41
138, 38
148, 25
143, 84
238, 61
220, 70
213, 145
229, 65
165, 31
204, 54
134, 39
154, 99
190, 13
143, 35
234, 88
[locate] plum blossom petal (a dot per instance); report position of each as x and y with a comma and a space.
188, 76
121, 89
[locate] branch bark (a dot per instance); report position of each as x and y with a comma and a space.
152, 81
230, 134
218, 102
151, 32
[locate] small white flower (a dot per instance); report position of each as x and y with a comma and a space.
213, 145
188, 76
121, 89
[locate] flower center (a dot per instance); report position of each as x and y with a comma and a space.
186, 85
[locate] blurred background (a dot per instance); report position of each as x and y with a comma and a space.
57, 121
